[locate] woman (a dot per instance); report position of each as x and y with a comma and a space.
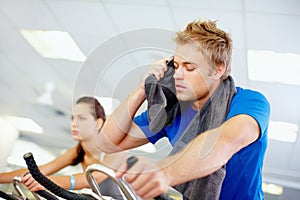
88, 117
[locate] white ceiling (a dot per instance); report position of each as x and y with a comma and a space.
96, 26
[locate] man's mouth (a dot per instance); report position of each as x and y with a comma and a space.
179, 87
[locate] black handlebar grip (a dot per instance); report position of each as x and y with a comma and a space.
5, 196
46, 195
48, 184
130, 162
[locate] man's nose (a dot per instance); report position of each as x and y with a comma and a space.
178, 73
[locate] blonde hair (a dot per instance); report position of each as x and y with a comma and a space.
214, 43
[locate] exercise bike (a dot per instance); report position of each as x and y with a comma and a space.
89, 194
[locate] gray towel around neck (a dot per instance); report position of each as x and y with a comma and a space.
212, 115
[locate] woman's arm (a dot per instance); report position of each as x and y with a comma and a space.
7, 177
59, 162
47, 169
79, 181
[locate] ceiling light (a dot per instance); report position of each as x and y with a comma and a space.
272, 66
46, 97
272, 188
54, 44
25, 124
283, 131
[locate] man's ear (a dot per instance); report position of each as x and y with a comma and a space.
219, 71
100, 123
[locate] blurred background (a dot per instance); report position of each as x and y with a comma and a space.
40, 80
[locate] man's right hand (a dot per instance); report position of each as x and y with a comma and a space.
146, 178
158, 69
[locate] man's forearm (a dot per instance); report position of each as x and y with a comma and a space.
124, 114
211, 150
199, 158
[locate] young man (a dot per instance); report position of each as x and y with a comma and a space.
202, 66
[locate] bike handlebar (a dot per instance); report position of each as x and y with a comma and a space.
42, 193
61, 192
130, 162
5, 196
121, 182
46, 195
48, 184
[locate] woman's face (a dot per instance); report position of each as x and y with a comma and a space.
83, 124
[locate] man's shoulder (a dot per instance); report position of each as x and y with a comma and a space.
249, 93
253, 103
250, 99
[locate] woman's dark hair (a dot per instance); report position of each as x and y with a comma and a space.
98, 112
96, 107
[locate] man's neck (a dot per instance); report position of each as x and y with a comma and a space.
198, 104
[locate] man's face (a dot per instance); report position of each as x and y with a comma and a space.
192, 74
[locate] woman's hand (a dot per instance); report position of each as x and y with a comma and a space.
31, 183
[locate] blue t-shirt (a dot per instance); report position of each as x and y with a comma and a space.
243, 178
